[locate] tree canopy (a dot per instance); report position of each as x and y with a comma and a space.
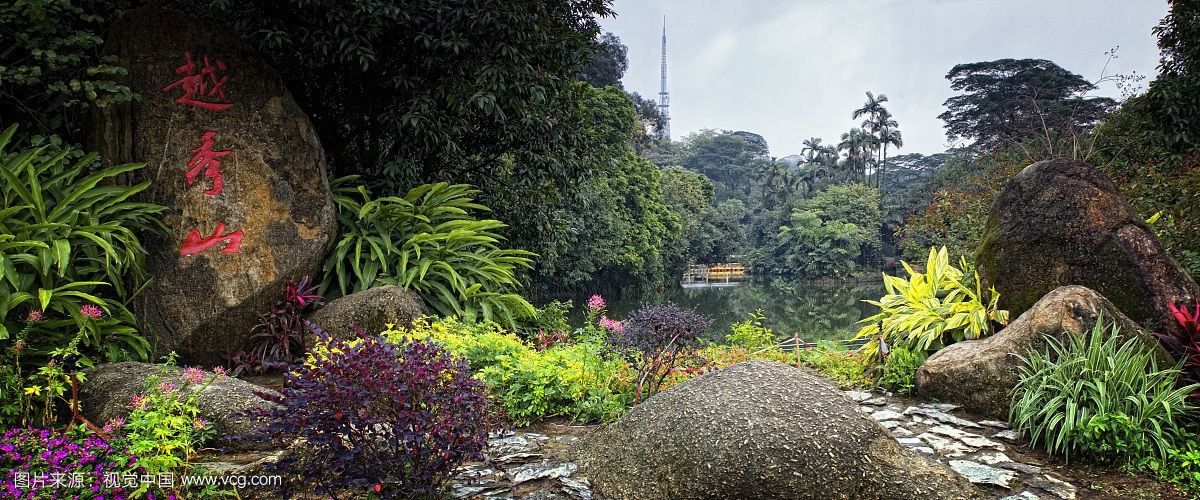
1006, 101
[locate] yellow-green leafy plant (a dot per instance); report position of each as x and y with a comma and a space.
429, 242
751, 334
932, 309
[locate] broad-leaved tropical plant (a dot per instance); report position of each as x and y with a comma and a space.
427, 241
933, 309
69, 242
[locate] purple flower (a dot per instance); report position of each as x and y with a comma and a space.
34, 317
596, 303
91, 311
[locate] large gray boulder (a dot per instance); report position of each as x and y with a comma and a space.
372, 310
757, 429
980, 374
1063, 222
239, 168
110, 387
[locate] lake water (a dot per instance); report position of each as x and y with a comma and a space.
815, 311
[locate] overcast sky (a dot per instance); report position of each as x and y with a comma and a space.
793, 69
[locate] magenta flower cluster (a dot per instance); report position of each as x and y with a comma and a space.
39, 463
595, 303
91, 311
614, 325
34, 317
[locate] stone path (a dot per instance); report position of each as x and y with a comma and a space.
523, 465
527, 465
973, 448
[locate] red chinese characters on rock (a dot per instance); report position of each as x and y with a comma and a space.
206, 159
201, 83
203, 87
194, 244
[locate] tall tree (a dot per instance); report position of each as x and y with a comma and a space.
880, 124
857, 143
1174, 97
730, 159
1008, 101
608, 64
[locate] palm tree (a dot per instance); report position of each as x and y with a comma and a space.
856, 143
888, 135
876, 114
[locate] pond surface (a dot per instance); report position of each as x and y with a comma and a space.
815, 311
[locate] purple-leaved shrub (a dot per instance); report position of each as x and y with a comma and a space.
392, 419
655, 338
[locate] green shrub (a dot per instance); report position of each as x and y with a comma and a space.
834, 360
1094, 396
900, 370
427, 242
933, 309
67, 241
563, 379
164, 428
751, 333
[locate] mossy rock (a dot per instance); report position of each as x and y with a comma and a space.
1063, 222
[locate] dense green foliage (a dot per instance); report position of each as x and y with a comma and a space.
833, 234
709, 233
1173, 100
70, 256
932, 309
51, 71
729, 159
1100, 397
618, 228
900, 370
1011, 101
565, 379
429, 242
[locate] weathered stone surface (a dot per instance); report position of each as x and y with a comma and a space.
111, 386
213, 110
980, 374
372, 310
982, 474
757, 430
1063, 222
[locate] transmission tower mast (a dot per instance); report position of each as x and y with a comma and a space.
664, 98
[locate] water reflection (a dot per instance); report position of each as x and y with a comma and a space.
815, 311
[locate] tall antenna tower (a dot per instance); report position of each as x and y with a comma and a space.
664, 98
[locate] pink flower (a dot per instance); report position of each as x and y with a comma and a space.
34, 317
193, 375
91, 311
220, 370
199, 423
139, 401
113, 424
611, 324
596, 303
167, 386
